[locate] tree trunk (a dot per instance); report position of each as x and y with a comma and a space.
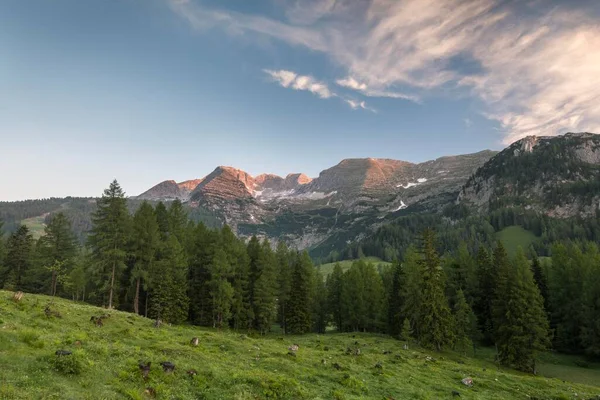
136, 300
112, 285
146, 310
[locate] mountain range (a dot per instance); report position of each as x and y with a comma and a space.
557, 176
553, 175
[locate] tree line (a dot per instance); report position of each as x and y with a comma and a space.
159, 263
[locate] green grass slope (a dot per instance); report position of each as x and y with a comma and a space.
514, 236
327, 269
230, 365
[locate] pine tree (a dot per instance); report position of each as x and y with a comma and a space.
220, 289
334, 293
284, 276
540, 279
108, 238
522, 326
569, 272
483, 304
19, 249
353, 298
168, 295
406, 332
373, 296
590, 331
145, 243
178, 221
265, 289
162, 219
203, 243
411, 291
57, 249
300, 303
435, 318
465, 324
396, 300
320, 314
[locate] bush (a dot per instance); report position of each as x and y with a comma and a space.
67, 365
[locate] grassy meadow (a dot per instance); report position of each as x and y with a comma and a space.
233, 365
327, 269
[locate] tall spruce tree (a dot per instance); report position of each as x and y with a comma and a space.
435, 318
221, 290
334, 294
519, 316
18, 261
590, 331
396, 300
540, 279
203, 244
569, 272
168, 295
57, 250
145, 244
300, 302
465, 325
108, 239
485, 294
411, 290
320, 314
265, 289
284, 277
241, 313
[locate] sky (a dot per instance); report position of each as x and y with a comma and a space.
149, 90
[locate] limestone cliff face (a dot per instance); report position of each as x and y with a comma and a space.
556, 175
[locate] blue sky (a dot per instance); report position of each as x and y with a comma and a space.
148, 90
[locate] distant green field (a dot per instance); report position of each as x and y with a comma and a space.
36, 225
514, 236
327, 269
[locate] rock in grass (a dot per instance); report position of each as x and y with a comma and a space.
168, 366
63, 353
17, 296
467, 381
293, 348
455, 393
192, 372
195, 341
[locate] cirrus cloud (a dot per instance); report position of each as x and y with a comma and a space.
534, 66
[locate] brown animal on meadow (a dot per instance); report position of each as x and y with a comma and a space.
145, 368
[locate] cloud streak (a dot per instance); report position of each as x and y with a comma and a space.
535, 67
292, 80
289, 79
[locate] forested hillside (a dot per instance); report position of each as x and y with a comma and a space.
451, 293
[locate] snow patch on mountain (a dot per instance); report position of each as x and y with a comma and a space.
402, 206
411, 184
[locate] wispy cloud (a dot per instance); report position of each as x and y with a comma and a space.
292, 80
289, 79
362, 87
537, 65
355, 105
